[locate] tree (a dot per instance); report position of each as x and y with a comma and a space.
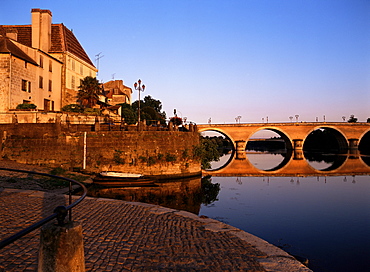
89, 91
150, 109
128, 115
206, 152
352, 119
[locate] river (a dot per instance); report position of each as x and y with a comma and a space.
325, 219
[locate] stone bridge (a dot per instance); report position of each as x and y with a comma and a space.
349, 135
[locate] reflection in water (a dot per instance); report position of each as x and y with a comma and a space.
266, 161
180, 194
322, 216
290, 163
325, 219
325, 162
366, 159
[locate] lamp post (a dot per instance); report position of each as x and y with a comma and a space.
139, 88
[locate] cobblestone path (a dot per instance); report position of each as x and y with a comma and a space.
127, 236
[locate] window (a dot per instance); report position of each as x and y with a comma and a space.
73, 82
41, 82
25, 64
50, 86
50, 66
26, 85
73, 65
41, 61
81, 69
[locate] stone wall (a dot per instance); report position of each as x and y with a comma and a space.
145, 152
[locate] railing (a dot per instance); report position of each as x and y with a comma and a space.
60, 212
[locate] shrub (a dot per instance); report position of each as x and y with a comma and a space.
26, 106
176, 120
91, 111
170, 157
117, 157
73, 108
151, 160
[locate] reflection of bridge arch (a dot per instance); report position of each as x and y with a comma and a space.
348, 165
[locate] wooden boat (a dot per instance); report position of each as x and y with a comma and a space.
112, 174
119, 179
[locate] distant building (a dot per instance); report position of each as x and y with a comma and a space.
116, 92
41, 63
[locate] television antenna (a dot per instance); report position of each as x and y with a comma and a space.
97, 58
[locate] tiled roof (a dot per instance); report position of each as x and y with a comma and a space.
7, 46
62, 39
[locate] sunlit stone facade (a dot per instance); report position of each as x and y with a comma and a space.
41, 63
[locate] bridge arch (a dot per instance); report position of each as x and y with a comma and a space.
285, 136
222, 132
348, 135
343, 142
364, 142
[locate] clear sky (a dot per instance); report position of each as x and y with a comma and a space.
222, 59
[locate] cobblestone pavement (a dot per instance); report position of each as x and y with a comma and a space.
128, 236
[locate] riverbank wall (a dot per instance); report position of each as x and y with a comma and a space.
153, 153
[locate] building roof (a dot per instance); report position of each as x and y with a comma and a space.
62, 39
116, 87
8, 47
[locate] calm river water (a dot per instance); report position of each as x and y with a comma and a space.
323, 218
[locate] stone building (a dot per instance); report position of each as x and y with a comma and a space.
41, 63
116, 92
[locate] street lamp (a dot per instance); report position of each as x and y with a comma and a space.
139, 88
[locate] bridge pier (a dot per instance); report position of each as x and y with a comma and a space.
298, 154
297, 144
240, 147
353, 144
353, 148
298, 149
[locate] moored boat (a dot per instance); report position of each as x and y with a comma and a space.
113, 174
119, 179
